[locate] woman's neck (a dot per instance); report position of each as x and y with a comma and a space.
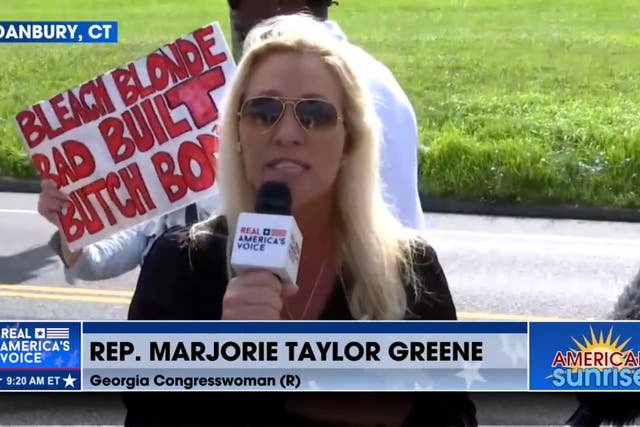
318, 227
317, 267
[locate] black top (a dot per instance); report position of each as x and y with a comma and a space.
605, 407
185, 279
597, 408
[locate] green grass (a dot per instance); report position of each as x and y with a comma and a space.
525, 100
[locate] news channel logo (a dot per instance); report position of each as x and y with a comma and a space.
58, 32
40, 356
590, 357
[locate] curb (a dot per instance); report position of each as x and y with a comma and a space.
530, 210
15, 185
449, 205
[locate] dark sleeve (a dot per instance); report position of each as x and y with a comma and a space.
606, 408
433, 301
168, 289
157, 295
180, 280
614, 408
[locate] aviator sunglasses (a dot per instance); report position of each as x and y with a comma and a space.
312, 114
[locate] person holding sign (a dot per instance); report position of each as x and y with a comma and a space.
297, 115
121, 252
399, 165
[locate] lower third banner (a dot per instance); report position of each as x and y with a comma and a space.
323, 356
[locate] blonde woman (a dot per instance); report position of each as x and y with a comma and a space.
296, 113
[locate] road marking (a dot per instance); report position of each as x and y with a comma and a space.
66, 297
61, 290
108, 296
18, 211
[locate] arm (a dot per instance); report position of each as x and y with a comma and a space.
434, 302
169, 289
165, 285
612, 408
609, 408
400, 160
399, 139
111, 257
163, 273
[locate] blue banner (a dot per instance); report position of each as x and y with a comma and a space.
584, 356
58, 32
320, 356
39, 355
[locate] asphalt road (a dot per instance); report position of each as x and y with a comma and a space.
498, 268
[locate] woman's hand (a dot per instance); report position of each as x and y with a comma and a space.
255, 295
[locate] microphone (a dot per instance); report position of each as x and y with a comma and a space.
268, 239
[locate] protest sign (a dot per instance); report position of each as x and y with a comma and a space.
136, 142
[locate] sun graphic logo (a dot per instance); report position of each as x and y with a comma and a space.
598, 362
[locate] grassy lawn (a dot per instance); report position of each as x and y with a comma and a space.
527, 100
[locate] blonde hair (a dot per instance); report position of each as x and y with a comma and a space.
373, 246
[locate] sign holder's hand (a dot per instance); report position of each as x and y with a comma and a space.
51, 202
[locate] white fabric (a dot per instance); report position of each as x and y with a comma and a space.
399, 154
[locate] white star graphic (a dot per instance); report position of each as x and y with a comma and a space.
514, 348
418, 386
470, 374
73, 359
69, 381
